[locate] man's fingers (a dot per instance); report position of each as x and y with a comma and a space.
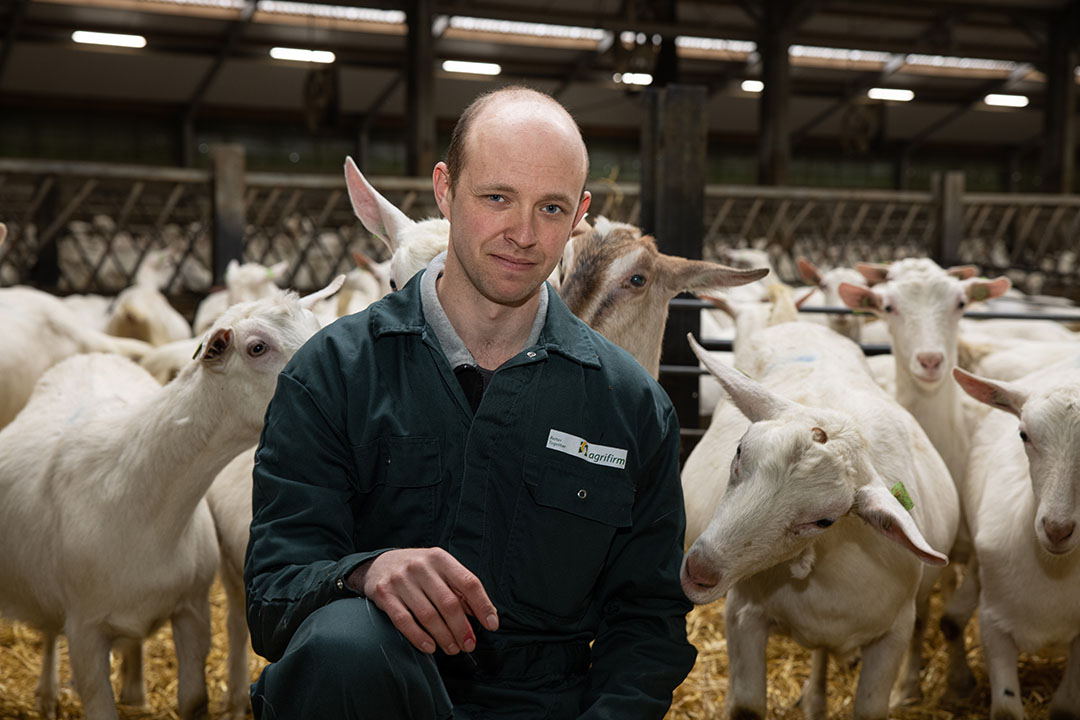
406, 624
471, 591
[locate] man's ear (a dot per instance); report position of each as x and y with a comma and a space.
583, 207
440, 182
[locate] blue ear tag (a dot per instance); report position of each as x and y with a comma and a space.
900, 493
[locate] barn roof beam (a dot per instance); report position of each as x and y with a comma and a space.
18, 12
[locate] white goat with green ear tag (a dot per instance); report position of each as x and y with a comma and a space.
806, 536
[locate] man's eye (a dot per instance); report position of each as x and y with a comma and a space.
552, 209
495, 198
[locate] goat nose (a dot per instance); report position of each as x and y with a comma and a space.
1058, 532
701, 575
930, 360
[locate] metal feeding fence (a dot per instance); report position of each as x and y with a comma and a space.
87, 227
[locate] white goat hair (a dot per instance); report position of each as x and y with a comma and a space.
621, 285
1011, 359
1022, 501
243, 283
39, 331
102, 515
361, 288
93, 310
166, 361
142, 312
807, 536
922, 305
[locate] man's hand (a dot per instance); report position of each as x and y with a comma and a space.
426, 593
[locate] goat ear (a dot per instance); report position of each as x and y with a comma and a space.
963, 271
809, 272
362, 261
3, 233
799, 303
995, 393
691, 275
884, 513
752, 398
231, 268
381, 218
277, 270
857, 297
215, 347
308, 301
873, 272
986, 289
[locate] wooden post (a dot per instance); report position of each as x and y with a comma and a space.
228, 207
948, 191
1059, 116
420, 90
673, 211
774, 137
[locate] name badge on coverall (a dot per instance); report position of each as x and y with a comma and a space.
589, 452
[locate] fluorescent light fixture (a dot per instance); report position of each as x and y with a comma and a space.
632, 78
473, 68
508, 27
114, 39
890, 94
1016, 101
301, 55
336, 12
752, 86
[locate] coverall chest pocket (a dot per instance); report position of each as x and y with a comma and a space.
398, 491
565, 521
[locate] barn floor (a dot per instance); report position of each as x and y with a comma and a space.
700, 697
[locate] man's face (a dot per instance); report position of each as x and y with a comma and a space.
515, 202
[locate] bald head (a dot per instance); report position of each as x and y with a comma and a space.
508, 107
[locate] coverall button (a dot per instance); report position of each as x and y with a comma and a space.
582, 494
531, 354
340, 584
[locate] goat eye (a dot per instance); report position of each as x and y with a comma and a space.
889, 308
824, 522
961, 305
1024, 437
738, 450
637, 280
257, 348
393, 285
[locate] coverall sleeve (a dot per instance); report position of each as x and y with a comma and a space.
641, 653
301, 542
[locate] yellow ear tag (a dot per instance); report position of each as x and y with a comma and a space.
900, 493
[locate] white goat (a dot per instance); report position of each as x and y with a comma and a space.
243, 283
800, 539
827, 284
102, 515
412, 244
1011, 359
1022, 501
39, 331
142, 312
922, 305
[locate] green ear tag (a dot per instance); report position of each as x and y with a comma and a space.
900, 493
866, 302
979, 292
197, 351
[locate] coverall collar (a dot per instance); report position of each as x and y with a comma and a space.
402, 313
452, 344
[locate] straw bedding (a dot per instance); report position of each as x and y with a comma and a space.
700, 697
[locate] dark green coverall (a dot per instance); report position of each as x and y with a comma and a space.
370, 444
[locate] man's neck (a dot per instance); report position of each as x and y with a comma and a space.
492, 332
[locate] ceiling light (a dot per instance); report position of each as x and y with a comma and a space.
473, 68
890, 94
632, 78
1016, 101
754, 86
114, 39
301, 55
